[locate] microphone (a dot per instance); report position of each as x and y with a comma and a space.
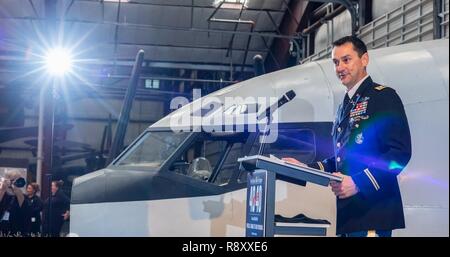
287, 97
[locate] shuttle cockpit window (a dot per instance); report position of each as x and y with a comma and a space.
211, 157
152, 149
296, 142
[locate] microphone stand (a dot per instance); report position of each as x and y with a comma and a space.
288, 96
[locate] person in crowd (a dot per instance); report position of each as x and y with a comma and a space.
56, 210
32, 210
11, 202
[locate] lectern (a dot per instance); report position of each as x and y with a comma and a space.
262, 174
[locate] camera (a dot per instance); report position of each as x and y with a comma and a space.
19, 182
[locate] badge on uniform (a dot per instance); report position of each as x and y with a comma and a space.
5, 216
359, 109
359, 139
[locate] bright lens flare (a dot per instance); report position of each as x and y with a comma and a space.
58, 61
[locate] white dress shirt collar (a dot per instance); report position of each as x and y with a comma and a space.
352, 91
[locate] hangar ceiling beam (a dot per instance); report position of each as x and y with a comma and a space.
162, 27
180, 5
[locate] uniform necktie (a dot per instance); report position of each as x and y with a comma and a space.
344, 106
346, 100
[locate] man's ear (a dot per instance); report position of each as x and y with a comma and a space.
365, 59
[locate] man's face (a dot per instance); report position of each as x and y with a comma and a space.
54, 188
349, 67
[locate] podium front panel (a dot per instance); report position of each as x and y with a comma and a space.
260, 205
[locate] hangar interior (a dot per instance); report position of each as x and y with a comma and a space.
188, 44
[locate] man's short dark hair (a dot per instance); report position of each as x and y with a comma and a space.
358, 44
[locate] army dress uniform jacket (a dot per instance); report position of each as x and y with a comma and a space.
372, 144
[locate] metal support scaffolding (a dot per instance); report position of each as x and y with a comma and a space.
351, 7
413, 21
445, 18
236, 22
323, 20
437, 10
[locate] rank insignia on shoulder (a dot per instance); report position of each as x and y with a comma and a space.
379, 88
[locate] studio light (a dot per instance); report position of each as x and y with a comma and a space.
58, 61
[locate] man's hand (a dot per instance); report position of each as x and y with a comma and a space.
344, 189
293, 161
66, 215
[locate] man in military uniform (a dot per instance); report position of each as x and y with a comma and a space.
372, 145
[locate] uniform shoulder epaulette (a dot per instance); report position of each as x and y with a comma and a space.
379, 88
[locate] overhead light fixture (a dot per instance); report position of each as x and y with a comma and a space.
58, 61
231, 4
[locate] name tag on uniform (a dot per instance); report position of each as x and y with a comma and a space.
33, 219
6, 216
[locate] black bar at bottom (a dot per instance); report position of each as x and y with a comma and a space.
308, 231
